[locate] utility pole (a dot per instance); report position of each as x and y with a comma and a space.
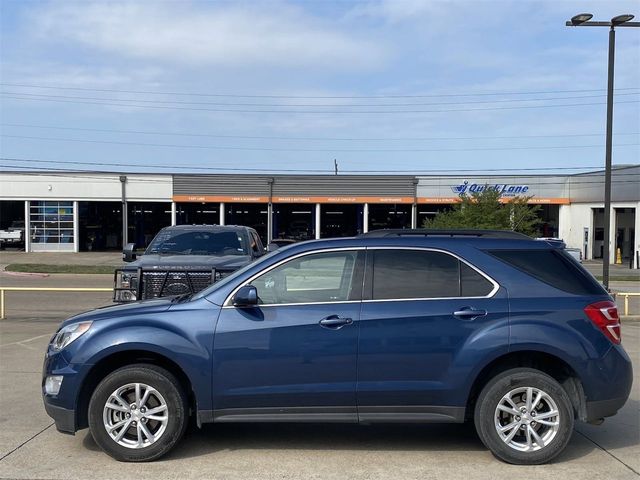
584, 20
335, 166
125, 220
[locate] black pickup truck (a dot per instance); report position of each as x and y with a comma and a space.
185, 259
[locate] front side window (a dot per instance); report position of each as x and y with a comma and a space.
320, 277
406, 274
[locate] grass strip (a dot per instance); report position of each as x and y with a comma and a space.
46, 268
622, 278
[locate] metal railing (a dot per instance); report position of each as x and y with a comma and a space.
626, 296
45, 289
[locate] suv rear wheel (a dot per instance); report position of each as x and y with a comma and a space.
524, 417
138, 413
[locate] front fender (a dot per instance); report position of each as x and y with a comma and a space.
183, 335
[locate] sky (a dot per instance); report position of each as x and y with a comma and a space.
392, 86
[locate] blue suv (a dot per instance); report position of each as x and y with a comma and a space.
391, 326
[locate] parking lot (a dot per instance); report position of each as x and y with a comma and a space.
30, 447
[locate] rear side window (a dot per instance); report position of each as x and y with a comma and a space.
553, 267
403, 274
472, 284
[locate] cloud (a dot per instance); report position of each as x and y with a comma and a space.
396, 11
234, 35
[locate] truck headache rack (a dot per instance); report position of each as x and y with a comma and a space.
416, 232
164, 283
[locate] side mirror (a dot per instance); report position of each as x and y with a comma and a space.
272, 247
129, 254
247, 296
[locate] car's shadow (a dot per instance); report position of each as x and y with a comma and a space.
334, 437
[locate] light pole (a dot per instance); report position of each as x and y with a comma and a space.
584, 20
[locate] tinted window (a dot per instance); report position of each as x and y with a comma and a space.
472, 284
256, 244
414, 274
179, 242
553, 267
321, 277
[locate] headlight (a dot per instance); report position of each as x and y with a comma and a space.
125, 296
126, 285
126, 280
68, 334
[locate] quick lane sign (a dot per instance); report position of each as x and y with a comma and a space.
505, 189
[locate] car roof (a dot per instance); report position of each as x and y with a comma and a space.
205, 227
444, 241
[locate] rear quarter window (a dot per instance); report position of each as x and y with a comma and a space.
553, 267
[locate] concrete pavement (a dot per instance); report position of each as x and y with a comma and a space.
31, 448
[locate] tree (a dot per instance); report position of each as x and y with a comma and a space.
484, 211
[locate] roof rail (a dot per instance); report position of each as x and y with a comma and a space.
411, 232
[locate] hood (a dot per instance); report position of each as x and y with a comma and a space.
121, 310
190, 262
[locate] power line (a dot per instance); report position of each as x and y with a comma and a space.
258, 137
315, 105
323, 112
593, 183
172, 167
580, 167
307, 170
235, 95
275, 149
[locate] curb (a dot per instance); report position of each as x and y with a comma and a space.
26, 274
630, 318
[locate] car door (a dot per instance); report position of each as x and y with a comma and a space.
293, 356
427, 317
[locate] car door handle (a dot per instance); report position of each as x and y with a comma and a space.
467, 313
335, 321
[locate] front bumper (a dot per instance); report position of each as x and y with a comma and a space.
64, 418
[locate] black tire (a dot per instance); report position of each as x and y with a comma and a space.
168, 387
485, 416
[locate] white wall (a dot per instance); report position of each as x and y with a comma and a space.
575, 217
82, 186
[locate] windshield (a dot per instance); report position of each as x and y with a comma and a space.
172, 242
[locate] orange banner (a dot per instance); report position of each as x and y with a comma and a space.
221, 198
289, 199
342, 199
534, 200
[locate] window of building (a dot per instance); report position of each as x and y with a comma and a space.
51, 225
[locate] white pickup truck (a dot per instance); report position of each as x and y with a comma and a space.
12, 236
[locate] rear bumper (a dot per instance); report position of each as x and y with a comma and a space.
610, 384
604, 408
64, 418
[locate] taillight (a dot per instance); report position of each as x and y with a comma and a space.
604, 315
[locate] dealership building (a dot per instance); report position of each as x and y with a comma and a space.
80, 211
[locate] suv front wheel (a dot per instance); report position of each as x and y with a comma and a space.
524, 417
138, 413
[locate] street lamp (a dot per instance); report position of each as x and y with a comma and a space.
584, 20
